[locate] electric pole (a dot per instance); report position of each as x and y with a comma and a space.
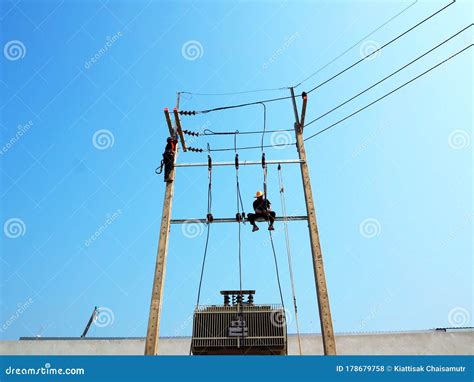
152, 337
327, 331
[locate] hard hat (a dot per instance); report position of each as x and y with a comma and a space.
259, 194
169, 139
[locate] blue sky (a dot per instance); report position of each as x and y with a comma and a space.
83, 87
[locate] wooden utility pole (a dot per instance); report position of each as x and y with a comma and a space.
327, 331
152, 337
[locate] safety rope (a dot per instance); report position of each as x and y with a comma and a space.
159, 169
288, 250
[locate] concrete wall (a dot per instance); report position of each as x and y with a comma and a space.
429, 342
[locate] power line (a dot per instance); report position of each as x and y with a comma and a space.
236, 92
387, 94
379, 49
387, 77
351, 98
237, 132
324, 82
251, 147
357, 43
311, 75
234, 106
357, 111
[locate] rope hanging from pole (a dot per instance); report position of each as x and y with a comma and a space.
288, 250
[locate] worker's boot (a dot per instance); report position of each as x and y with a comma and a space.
255, 228
270, 228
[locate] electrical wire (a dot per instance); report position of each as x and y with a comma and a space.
288, 252
240, 105
313, 74
235, 93
276, 270
379, 49
357, 43
350, 99
239, 216
252, 147
209, 207
324, 82
387, 94
357, 111
390, 75
264, 124
210, 132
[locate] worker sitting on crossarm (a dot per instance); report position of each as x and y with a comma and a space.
168, 157
263, 210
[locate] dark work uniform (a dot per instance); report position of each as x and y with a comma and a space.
261, 207
168, 158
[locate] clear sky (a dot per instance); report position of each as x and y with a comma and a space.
83, 87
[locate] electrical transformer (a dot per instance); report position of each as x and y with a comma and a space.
239, 327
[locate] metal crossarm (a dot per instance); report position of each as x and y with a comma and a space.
241, 163
233, 220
